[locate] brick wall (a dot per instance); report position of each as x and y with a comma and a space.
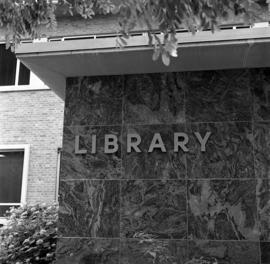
35, 118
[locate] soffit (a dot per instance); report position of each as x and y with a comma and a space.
226, 49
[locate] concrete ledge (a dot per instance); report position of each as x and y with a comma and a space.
227, 49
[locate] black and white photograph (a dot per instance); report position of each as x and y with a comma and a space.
134, 132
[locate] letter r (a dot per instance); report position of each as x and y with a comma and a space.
134, 144
182, 143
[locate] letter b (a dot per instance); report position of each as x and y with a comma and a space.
110, 144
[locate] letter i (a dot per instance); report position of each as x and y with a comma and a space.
94, 144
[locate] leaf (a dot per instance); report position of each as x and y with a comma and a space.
120, 42
156, 54
171, 48
268, 3
124, 42
115, 10
165, 58
152, 253
7, 41
12, 48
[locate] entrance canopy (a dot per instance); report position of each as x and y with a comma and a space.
57, 59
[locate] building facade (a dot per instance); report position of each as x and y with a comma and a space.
162, 164
31, 120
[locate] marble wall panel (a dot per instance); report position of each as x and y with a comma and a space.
262, 149
225, 252
260, 82
265, 253
94, 101
156, 164
94, 87
153, 207
214, 96
229, 151
263, 204
102, 112
90, 166
222, 210
87, 251
149, 251
154, 99
89, 208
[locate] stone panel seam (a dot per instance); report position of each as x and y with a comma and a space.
254, 168
159, 179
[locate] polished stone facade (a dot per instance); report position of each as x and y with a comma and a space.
167, 207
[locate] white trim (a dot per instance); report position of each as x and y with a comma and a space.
26, 149
18, 88
25, 174
18, 65
57, 174
10, 204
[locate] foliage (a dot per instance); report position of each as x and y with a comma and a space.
24, 17
169, 16
30, 235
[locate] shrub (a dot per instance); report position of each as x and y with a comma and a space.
30, 235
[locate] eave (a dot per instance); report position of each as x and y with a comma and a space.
226, 49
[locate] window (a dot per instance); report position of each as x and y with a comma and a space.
12, 71
14, 161
15, 76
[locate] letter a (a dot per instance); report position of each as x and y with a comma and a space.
157, 143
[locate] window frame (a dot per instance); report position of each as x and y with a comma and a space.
34, 82
26, 149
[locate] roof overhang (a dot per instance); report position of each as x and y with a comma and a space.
225, 49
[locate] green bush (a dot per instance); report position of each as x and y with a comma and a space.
30, 235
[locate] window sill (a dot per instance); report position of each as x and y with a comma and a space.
20, 88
